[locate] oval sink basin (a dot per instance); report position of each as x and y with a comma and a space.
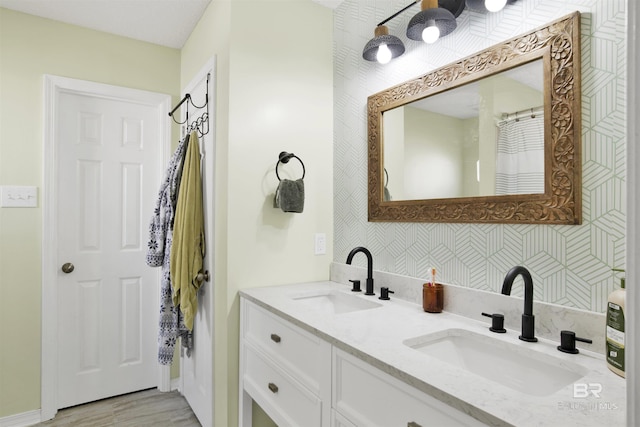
334, 302
516, 367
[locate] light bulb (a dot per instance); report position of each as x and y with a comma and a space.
494, 5
384, 54
430, 34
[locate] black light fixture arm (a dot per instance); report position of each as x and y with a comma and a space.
399, 12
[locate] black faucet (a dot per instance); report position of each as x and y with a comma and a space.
528, 319
369, 286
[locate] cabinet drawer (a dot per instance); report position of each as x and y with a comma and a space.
288, 403
296, 351
369, 397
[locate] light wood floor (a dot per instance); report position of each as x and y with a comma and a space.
144, 408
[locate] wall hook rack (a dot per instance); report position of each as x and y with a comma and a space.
201, 123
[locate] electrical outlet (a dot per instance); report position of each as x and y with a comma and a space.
320, 244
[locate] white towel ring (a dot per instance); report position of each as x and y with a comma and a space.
284, 157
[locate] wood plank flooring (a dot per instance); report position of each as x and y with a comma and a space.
143, 408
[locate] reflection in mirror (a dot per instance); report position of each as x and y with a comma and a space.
484, 138
491, 138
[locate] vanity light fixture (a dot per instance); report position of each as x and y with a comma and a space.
436, 19
431, 23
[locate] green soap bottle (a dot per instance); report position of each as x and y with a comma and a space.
615, 329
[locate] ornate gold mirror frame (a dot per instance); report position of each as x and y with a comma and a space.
558, 44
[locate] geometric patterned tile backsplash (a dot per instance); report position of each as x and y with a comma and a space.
570, 265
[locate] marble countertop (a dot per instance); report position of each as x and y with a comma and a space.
377, 336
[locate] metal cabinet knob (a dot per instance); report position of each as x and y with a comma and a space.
273, 388
67, 267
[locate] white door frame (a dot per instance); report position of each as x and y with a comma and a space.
53, 87
209, 198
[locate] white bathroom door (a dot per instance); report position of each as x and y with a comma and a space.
196, 369
108, 176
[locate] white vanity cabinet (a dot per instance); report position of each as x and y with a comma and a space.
285, 369
366, 396
301, 380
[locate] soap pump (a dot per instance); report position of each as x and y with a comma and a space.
615, 348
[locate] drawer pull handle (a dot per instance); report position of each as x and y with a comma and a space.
275, 338
413, 424
273, 387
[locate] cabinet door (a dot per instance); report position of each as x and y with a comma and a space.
369, 397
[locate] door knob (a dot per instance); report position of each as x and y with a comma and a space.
67, 267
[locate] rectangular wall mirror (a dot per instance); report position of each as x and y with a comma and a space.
494, 137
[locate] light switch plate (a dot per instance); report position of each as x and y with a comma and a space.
18, 196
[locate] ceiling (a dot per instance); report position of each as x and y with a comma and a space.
163, 22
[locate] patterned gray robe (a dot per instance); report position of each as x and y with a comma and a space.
158, 255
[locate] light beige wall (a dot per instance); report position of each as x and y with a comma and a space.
29, 48
393, 137
433, 155
274, 93
470, 155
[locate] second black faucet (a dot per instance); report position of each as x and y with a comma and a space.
528, 319
369, 284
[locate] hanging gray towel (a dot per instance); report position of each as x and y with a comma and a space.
290, 195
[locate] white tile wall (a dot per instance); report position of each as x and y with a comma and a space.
570, 264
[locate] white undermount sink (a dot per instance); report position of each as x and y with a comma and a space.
334, 302
520, 368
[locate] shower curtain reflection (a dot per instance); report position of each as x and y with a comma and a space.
520, 158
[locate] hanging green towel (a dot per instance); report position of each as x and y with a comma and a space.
188, 248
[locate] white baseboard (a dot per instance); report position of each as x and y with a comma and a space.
21, 420
175, 385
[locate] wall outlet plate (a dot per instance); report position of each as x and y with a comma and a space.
320, 244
